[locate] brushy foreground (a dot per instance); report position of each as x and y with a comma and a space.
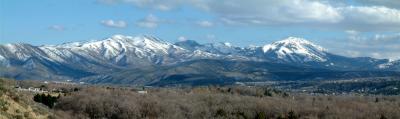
19, 105
214, 102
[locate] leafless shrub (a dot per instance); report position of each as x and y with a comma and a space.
214, 102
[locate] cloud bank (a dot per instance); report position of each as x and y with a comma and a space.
377, 46
114, 24
288, 12
150, 21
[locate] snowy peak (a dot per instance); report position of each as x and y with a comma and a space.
390, 64
117, 49
19, 51
118, 41
294, 49
18, 47
293, 43
297, 40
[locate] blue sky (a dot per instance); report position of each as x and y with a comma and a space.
353, 28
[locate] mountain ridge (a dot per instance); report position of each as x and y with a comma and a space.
119, 53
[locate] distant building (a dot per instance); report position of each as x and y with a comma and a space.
31, 89
239, 84
142, 92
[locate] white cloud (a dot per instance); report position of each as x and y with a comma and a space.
57, 27
327, 14
306, 13
377, 46
352, 32
367, 18
182, 38
163, 5
394, 37
352, 53
150, 21
205, 23
272, 12
114, 24
387, 3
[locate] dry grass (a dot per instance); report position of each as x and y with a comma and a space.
95, 102
18, 105
216, 103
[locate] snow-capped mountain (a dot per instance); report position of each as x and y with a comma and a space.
19, 51
119, 53
111, 54
118, 49
217, 50
393, 64
296, 50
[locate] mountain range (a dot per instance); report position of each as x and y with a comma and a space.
148, 60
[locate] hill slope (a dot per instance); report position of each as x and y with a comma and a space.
16, 105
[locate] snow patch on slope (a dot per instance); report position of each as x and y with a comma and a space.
296, 49
389, 64
115, 49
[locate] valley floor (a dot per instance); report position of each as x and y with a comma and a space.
239, 102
